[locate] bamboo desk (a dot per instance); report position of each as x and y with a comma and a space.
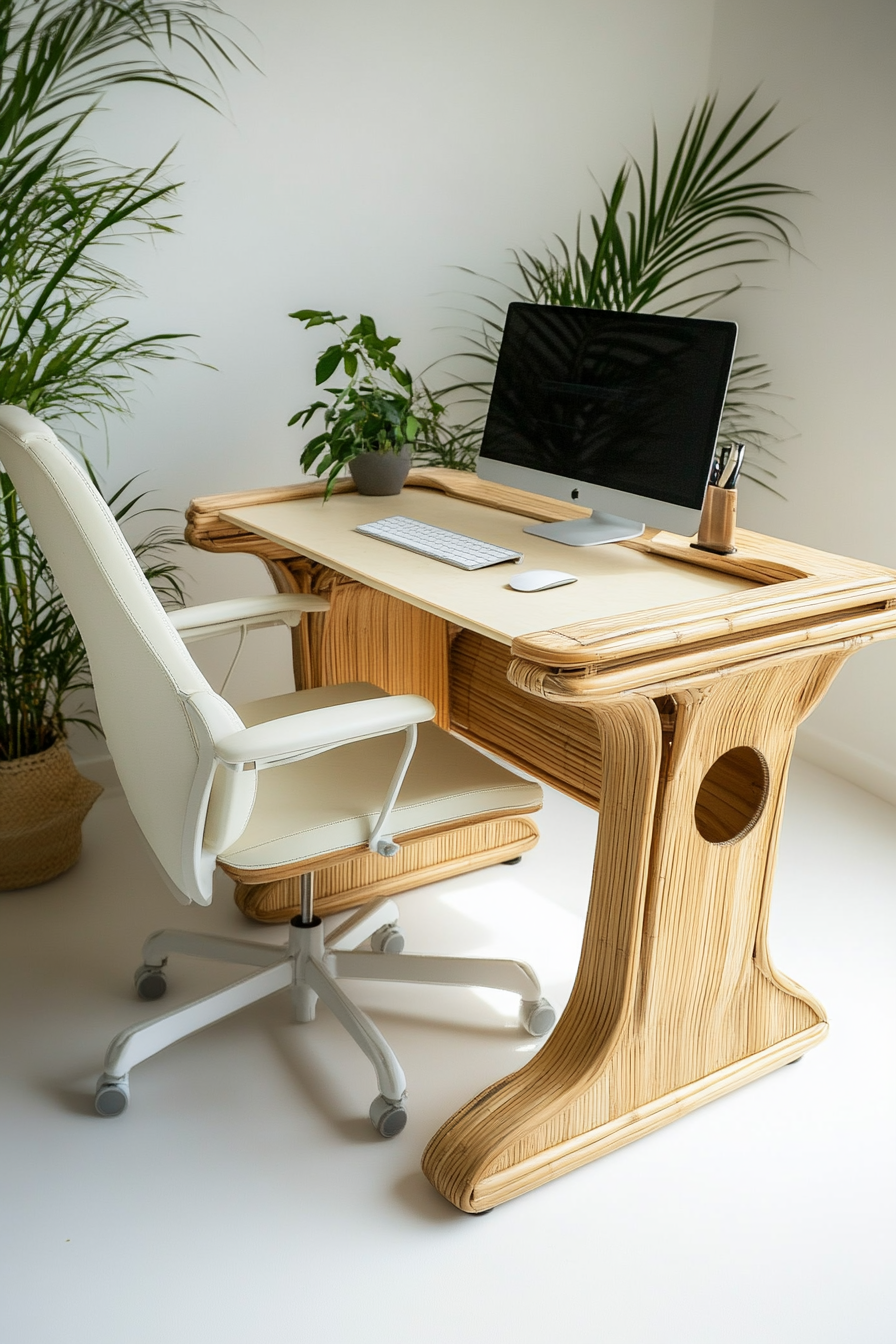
665, 688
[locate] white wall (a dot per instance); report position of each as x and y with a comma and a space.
386, 142
383, 144
828, 329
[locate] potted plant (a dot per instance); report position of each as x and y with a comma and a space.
372, 423
65, 357
43, 799
43, 673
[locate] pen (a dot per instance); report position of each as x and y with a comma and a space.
731, 470
718, 464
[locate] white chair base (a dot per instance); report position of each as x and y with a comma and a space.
310, 966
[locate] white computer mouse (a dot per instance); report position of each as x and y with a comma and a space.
536, 580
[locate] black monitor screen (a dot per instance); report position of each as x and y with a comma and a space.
630, 401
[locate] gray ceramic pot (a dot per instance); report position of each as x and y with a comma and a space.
380, 473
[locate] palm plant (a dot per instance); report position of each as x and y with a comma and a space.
63, 356
43, 662
666, 241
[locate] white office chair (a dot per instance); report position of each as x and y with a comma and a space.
282, 787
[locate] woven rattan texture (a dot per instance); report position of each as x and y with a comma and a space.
43, 801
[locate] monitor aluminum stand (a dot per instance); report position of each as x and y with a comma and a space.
598, 529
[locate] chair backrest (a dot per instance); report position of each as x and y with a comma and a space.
143, 676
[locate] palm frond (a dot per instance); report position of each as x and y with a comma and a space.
667, 239
43, 662
62, 354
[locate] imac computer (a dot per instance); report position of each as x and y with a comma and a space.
615, 410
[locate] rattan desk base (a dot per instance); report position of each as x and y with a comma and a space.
679, 723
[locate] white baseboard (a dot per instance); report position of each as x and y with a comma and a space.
871, 773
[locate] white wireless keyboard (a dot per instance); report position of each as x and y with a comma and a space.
438, 543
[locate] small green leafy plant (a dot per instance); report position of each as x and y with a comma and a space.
379, 410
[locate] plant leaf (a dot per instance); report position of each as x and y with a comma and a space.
328, 363
666, 239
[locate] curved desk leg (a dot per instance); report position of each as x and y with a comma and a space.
676, 1000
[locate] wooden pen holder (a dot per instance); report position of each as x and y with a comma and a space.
717, 522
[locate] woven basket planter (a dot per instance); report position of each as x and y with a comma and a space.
43, 801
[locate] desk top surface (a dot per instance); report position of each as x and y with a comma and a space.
612, 580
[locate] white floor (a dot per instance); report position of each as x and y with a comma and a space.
244, 1196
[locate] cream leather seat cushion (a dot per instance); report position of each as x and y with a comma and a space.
330, 802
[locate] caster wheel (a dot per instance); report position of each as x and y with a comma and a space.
150, 981
508, 863
389, 938
112, 1096
537, 1016
388, 1117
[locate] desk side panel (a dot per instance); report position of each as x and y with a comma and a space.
559, 744
370, 636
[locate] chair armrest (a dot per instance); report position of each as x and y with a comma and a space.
243, 613
299, 735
